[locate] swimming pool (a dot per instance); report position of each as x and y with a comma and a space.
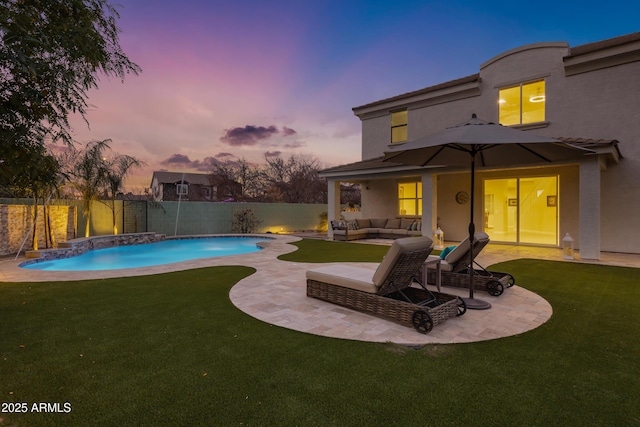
150, 254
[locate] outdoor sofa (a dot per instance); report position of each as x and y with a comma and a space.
387, 228
392, 291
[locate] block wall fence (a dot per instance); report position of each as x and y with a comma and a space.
169, 218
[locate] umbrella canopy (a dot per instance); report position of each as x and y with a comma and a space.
495, 145
489, 144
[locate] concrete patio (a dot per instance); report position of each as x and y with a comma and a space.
276, 294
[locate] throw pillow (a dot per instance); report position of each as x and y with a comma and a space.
405, 223
446, 251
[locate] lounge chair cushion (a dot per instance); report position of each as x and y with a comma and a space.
360, 279
367, 280
463, 248
406, 244
460, 253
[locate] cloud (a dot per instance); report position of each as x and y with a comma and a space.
272, 153
296, 144
184, 162
176, 159
224, 155
248, 135
288, 131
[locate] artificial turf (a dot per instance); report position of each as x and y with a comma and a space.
171, 349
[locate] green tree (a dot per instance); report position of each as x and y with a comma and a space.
51, 54
32, 172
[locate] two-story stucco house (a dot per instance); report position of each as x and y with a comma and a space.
195, 187
173, 186
587, 95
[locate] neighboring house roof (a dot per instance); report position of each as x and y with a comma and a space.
601, 146
164, 177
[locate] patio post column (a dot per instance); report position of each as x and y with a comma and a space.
590, 208
333, 204
429, 204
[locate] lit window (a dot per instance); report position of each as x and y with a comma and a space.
522, 104
182, 189
399, 121
410, 198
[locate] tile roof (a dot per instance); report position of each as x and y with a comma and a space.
377, 163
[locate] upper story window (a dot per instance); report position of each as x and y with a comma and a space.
399, 120
522, 104
182, 189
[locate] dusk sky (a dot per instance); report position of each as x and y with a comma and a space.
248, 78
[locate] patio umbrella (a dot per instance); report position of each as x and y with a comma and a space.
489, 144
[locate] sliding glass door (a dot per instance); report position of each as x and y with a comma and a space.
522, 210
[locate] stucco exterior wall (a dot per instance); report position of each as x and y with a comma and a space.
380, 199
376, 136
601, 103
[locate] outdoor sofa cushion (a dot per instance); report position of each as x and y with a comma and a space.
378, 223
364, 223
392, 223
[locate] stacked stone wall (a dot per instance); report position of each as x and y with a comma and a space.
16, 226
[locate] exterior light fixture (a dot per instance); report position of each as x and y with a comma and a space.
438, 239
567, 247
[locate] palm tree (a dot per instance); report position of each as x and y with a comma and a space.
90, 173
118, 167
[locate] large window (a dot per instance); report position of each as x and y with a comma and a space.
410, 198
523, 210
522, 104
399, 120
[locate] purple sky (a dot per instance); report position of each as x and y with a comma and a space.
249, 78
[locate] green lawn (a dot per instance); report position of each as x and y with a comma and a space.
172, 350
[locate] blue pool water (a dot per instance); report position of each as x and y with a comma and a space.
147, 255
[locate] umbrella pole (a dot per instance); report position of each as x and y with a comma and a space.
471, 302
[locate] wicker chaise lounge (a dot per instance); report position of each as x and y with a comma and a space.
455, 269
388, 291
